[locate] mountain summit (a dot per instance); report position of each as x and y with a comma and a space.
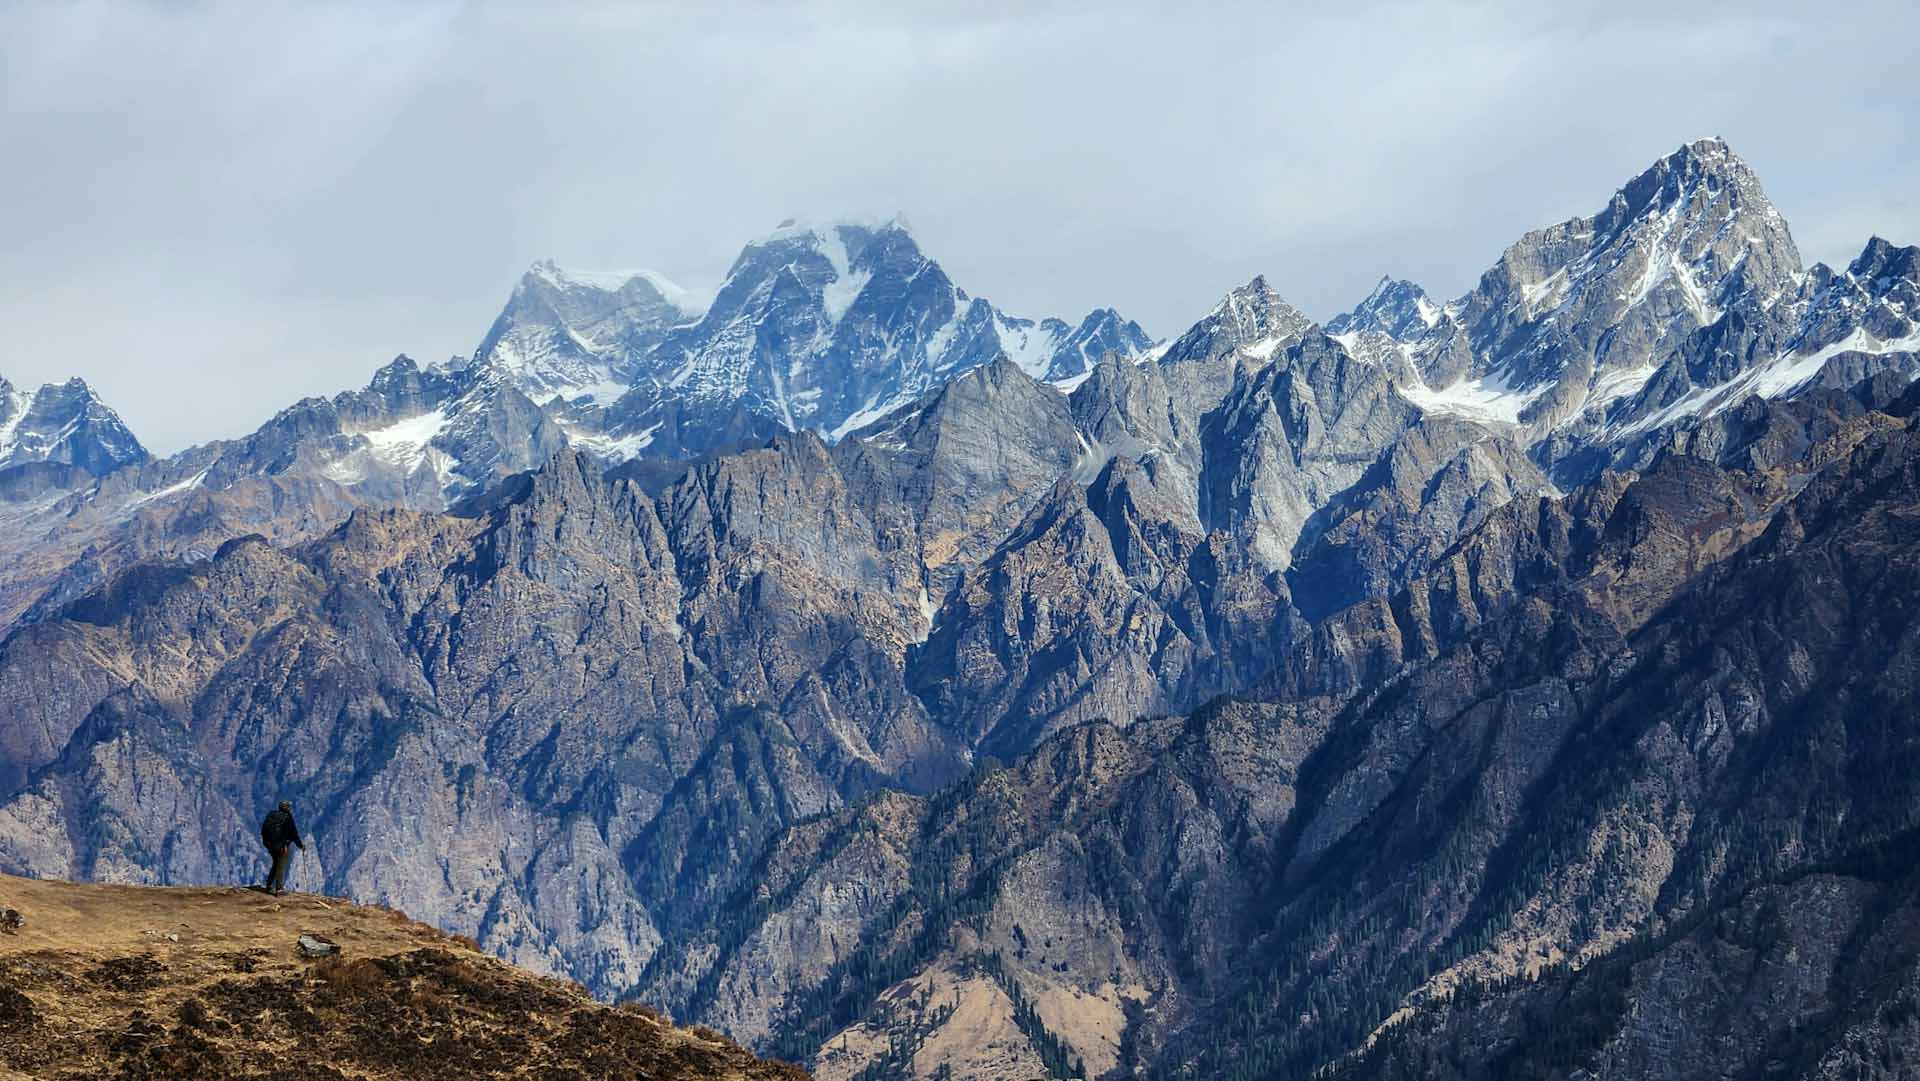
1396, 308
65, 423
570, 333
818, 325
830, 326
1579, 310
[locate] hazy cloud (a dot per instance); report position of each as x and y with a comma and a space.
213, 209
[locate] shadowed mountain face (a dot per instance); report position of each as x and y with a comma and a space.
940, 691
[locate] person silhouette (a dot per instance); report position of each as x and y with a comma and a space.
281, 836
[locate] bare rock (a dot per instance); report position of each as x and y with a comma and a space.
311, 946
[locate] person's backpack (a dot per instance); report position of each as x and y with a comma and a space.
273, 832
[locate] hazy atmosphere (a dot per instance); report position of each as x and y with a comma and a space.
213, 209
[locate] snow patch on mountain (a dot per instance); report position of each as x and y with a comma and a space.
1612, 386
612, 447
929, 609
1263, 349
406, 439
1488, 398
171, 490
1070, 383
17, 404
839, 294
402, 447
1784, 376
1790, 372
874, 411
1029, 345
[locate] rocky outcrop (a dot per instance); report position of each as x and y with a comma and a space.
956, 471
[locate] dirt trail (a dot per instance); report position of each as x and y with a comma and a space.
145, 982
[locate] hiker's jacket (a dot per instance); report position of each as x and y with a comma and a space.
279, 831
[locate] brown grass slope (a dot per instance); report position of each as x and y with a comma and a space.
142, 982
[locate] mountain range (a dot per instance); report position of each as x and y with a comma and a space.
816, 327
1518, 685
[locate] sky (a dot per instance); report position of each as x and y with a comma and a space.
210, 210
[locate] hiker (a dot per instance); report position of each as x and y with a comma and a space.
278, 833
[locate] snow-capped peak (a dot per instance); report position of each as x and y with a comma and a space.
1882, 259
1696, 174
834, 258
690, 302
1252, 319
1591, 306
800, 226
1396, 307
64, 422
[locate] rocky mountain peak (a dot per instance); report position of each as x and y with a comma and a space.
1254, 296
977, 393
565, 333
831, 262
1256, 306
65, 423
1578, 316
586, 290
1702, 202
1103, 333
1663, 246
1882, 260
1871, 307
800, 225
1702, 164
398, 372
821, 253
1397, 308
1253, 319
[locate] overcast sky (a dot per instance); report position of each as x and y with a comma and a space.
211, 210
